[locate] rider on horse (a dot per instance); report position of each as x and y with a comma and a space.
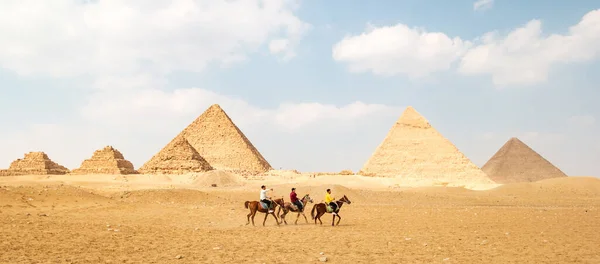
264, 198
294, 199
330, 201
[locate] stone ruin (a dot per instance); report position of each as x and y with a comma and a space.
516, 162
34, 163
178, 157
414, 149
222, 144
106, 161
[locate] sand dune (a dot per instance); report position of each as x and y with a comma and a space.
563, 186
155, 218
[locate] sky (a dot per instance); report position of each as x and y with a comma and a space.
315, 85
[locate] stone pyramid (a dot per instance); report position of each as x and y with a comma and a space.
222, 144
177, 157
35, 163
517, 162
106, 161
414, 149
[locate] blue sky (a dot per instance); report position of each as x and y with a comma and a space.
315, 85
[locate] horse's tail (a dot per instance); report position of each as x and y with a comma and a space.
312, 212
246, 204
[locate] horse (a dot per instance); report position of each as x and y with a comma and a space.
293, 208
255, 206
323, 208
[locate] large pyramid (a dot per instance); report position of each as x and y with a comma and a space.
517, 162
222, 144
35, 163
106, 161
177, 157
414, 149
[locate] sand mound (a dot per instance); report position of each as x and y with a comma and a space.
564, 186
48, 195
35, 163
220, 178
106, 161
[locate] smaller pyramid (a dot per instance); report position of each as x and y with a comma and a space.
517, 162
177, 157
106, 161
35, 163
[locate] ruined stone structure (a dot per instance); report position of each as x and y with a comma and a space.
517, 162
106, 161
414, 149
221, 143
178, 157
35, 163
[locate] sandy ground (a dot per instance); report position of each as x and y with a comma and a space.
154, 219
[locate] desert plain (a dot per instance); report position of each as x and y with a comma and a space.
182, 219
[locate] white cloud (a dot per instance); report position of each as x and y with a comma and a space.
392, 50
522, 57
294, 116
483, 5
525, 56
67, 38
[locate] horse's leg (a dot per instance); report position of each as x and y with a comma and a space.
283, 216
297, 217
249, 217
319, 214
333, 221
339, 218
266, 214
304, 217
276, 220
253, 215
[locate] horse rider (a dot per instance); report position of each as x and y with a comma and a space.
330, 201
264, 198
295, 200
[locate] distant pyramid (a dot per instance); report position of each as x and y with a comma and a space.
177, 157
414, 149
222, 144
517, 162
106, 161
35, 163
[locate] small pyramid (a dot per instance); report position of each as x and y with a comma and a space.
414, 149
35, 163
178, 157
106, 161
517, 162
218, 140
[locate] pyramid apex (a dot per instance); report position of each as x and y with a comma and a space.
215, 107
410, 117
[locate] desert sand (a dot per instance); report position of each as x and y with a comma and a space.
180, 218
